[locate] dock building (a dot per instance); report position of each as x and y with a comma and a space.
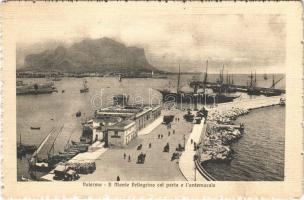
119, 125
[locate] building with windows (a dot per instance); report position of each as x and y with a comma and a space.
118, 125
121, 133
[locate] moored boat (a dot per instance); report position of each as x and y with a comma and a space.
282, 101
85, 87
35, 89
35, 127
195, 96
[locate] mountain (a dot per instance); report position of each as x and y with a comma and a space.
90, 55
24, 49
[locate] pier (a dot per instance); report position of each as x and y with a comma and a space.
250, 103
191, 169
187, 164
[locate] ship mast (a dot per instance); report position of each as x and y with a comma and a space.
251, 79
255, 80
205, 82
52, 147
178, 79
34, 156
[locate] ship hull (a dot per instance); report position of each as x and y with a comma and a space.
196, 98
33, 92
84, 90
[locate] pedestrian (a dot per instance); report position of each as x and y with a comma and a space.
129, 160
169, 133
150, 145
125, 155
161, 136
118, 178
158, 136
173, 131
191, 141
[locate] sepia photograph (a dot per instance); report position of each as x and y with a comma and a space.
177, 95
108, 104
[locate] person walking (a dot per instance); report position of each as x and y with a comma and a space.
118, 178
168, 133
173, 131
125, 155
150, 145
129, 159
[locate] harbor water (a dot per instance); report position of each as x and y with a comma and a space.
49, 111
259, 154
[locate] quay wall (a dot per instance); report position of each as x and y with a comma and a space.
203, 172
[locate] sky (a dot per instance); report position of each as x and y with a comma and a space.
240, 42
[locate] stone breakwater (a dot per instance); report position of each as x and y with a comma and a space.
220, 133
225, 117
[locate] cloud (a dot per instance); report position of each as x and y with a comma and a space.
169, 39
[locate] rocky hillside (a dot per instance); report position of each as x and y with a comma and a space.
100, 55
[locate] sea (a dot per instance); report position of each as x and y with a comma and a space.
264, 127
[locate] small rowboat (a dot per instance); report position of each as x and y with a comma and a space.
35, 128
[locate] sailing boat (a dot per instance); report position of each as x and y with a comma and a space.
221, 86
195, 97
53, 159
34, 162
85, 87
23, 149
252, 90
271, 91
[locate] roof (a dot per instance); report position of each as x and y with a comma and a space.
107, 120
122, 125
144, 111
120, 109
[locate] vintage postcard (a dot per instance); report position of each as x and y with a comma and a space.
152, 99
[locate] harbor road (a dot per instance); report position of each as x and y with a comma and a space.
157, 166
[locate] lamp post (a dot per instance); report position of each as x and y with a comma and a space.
194, 159
184, 142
